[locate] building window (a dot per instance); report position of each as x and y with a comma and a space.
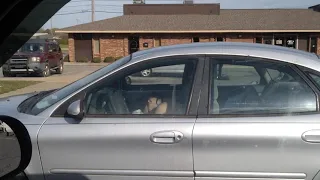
313, 45
96, 46
195, 39
157, 42
291, 42
259, 40
279, 42
267, 40
219, 39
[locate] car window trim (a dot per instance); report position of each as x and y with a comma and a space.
191, 102
308, 81
206, 97
306, 73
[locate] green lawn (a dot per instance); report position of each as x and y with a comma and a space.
64, 46
7, 86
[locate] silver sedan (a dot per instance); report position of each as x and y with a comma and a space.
260, 121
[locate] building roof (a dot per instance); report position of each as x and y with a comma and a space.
229, 20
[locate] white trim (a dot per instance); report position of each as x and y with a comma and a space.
193, 31
21, 70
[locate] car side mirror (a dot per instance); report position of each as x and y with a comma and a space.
128, 80
16, 148
75, 110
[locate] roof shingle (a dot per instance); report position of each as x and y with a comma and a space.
229, 20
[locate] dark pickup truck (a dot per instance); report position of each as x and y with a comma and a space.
37, 56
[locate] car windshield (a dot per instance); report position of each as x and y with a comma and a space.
32, 47
60, 94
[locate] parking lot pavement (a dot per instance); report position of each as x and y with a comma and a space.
71, 73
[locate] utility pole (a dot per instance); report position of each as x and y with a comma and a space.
51, 29
92, 10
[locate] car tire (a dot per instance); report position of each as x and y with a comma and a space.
45, 72
146, 73
60, 68
7, 74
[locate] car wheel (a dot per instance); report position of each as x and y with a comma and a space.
60, 68
46, 71
6, 74
146, 73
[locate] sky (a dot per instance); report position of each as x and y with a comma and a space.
76, 11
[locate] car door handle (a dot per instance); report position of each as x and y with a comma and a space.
312, 136
166, 137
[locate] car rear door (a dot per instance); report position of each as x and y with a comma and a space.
112, 143
250, 135
51, 55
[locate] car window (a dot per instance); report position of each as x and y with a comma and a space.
316, 78
52, 47
162, 90
287, 92
52, 98
159, 75
229, 74
32, 47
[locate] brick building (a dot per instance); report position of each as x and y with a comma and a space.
145, 26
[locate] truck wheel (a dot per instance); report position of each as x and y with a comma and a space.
7, 74
45, 72
60, 68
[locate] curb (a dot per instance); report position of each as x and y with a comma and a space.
85, 64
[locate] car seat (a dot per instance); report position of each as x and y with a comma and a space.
247, 101
108, 101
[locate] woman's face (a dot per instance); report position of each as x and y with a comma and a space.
152, 103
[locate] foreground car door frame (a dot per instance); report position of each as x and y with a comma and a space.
255, 146
118, 146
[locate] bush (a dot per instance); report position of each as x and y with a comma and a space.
117, 58
108, 59
82, 59
63, 41
96, 60
66, 58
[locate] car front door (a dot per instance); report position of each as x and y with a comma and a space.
248, 132
52, 55
118, 139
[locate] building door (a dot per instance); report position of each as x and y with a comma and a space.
83, 46
133, 44
303, 43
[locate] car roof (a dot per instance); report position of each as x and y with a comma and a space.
284, 54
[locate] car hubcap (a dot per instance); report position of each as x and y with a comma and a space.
146, 72
46, 71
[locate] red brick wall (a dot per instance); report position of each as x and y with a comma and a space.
167, 40
126, 46
243, 38
204, 38
112, 45
117, 45
146, 39
95, 37
71, 48
318, 46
